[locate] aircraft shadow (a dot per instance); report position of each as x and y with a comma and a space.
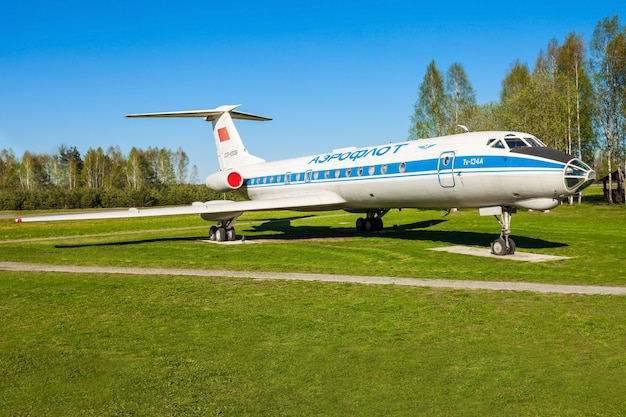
283, 230
412, 231
133, 242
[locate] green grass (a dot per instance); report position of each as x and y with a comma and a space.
124, 345
109, 345
591, 235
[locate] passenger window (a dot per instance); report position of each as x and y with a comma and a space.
337, 173
371, 170
383, 169
402, 167
360, 171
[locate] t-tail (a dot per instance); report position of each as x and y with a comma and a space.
231, 152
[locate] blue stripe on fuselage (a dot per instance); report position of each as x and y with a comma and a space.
465, 164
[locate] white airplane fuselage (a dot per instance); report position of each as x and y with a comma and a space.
453, 171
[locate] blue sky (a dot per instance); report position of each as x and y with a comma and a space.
330, 74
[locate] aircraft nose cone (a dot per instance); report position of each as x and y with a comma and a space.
578, 176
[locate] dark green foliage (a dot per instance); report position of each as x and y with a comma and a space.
155, 177
55, 198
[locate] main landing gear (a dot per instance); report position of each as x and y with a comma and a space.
224, 231
373, 222
504, 245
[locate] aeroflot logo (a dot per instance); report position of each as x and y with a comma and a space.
354, 155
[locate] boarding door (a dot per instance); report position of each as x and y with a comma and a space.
445, 169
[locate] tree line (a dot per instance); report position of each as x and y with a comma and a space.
67, 180
573, 99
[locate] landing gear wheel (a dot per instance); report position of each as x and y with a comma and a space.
224, 231
373, 222
212, 232
220, 234
498, 247
511, 249
230, 234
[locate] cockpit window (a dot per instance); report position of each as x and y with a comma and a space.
495, 143
515, 142
534, 142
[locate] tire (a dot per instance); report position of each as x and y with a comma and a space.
360, 224
498, 247
212, 232
230, 234
220, 234
511, 250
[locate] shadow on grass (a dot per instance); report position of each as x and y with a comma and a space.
283, 230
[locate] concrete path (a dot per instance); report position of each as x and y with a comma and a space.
440, 283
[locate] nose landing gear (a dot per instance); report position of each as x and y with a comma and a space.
504, 245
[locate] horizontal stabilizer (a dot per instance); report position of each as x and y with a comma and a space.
208, 115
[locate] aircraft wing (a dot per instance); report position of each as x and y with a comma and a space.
211, 210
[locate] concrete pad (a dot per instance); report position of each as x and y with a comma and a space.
231, 242
486, 253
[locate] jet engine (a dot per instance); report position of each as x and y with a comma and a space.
223, 181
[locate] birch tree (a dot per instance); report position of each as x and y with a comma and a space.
608, 52
461, 97
430, 116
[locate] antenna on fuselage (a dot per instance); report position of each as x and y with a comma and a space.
464, 128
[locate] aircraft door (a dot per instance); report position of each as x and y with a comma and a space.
445, 169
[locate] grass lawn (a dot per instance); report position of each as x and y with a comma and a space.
124, 345
81, 344
591, 235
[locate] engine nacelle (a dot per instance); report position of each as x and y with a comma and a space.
223, 181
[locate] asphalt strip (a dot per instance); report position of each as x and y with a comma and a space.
439, 283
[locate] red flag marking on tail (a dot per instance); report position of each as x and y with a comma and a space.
223, 134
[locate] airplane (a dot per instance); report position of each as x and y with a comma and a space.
494, 171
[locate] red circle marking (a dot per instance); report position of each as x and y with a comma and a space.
234, 180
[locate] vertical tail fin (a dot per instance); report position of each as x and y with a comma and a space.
231, 153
